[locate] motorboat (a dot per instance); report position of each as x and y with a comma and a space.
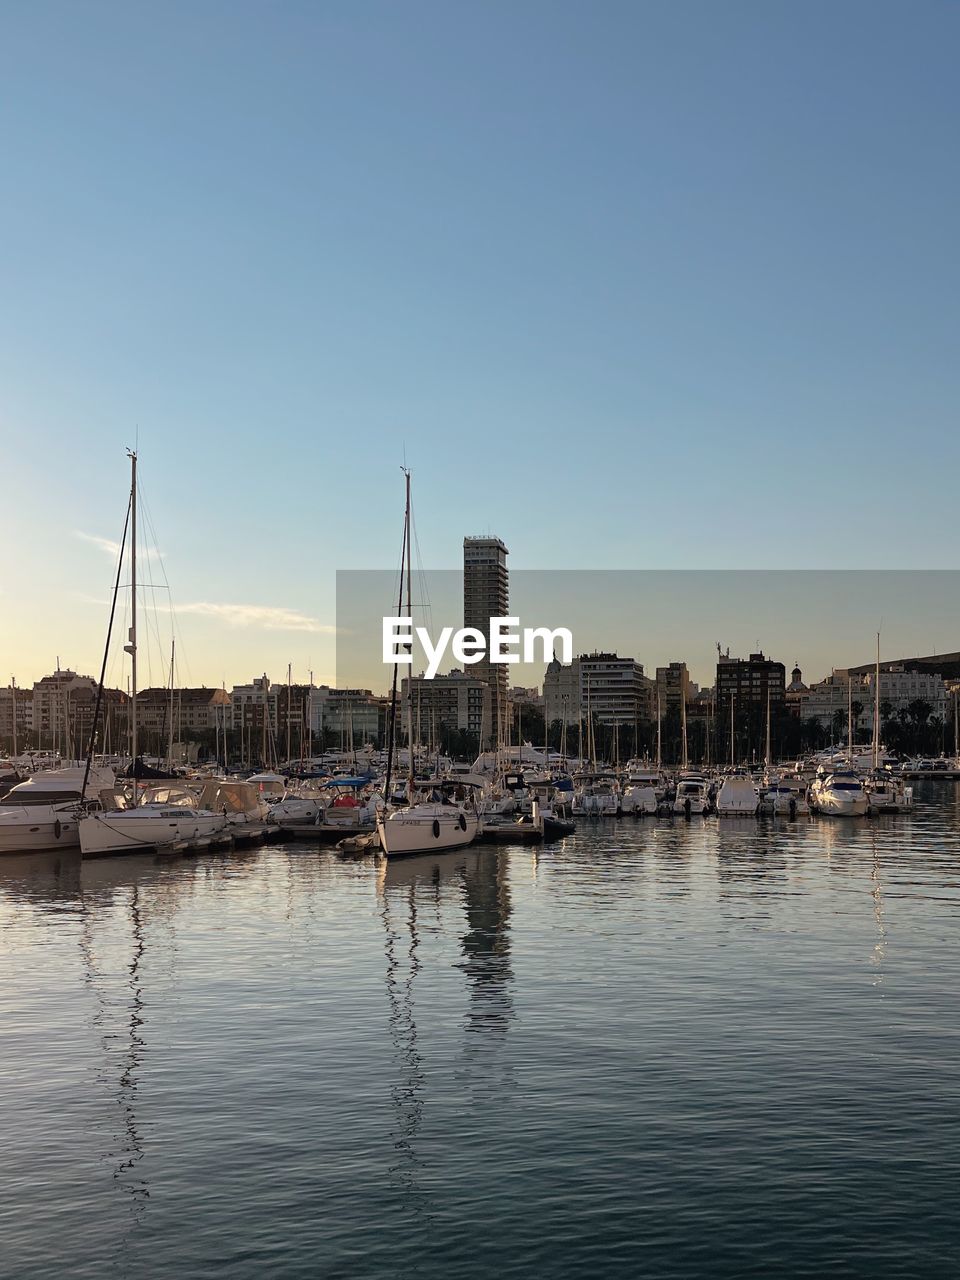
641, 790
270, 786
783, 794
9, 776
42, 813
345, 805
692, 795
737, 797
838, 793
596, 795
887, 794
163, 816
303, 801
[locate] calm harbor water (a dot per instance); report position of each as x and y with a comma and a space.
656, 1049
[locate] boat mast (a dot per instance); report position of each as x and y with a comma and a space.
850, 716
406, 534
683, 728
170, 735
13, 699
733, 751
131, 648
289, 691
658, 729
767, 759
876, 711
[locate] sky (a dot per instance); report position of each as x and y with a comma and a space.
631, 285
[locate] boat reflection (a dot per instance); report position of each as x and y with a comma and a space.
418, 897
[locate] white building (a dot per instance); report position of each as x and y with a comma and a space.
52, 704
561, 692
458, 700
898, 688
344, 718
614, 690
253, 703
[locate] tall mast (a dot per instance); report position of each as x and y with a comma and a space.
658, 727
733, 751
170, 735
767, 760
406, 534
850, 716
289, 666
131, 648
13, 699
876, 711
683, 727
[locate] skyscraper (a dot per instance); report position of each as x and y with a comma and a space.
486, 595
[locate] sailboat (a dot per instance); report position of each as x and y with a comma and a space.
166, 815
442, 822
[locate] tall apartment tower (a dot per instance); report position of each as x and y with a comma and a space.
486, 595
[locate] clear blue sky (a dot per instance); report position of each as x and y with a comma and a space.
633, 285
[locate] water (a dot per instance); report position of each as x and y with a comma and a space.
658, 1049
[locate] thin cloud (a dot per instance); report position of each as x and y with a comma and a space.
111, 548
106, 545
266, 617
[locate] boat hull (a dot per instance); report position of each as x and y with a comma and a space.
427, 831
840, 806
107, 834
33, 835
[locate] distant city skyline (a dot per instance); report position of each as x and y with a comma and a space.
823, 620
657, 285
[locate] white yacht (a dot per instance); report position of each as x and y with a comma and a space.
596, 795
642, 789
693, 794
738, 796
838, 793
438, 824
427, 827
9, 776
164, 816
270, 786
887, 794
42, 813
783, 793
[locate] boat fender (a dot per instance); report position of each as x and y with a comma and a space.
462, 823
436, 829
57, 828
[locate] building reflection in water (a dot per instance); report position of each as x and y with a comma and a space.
486, 944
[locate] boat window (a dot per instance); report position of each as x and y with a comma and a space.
32, 797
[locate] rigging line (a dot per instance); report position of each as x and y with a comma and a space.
151, 554
106, 651
425, 603
176, 630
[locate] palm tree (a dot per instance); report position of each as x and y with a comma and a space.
919, 711
856, 711
839, 724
